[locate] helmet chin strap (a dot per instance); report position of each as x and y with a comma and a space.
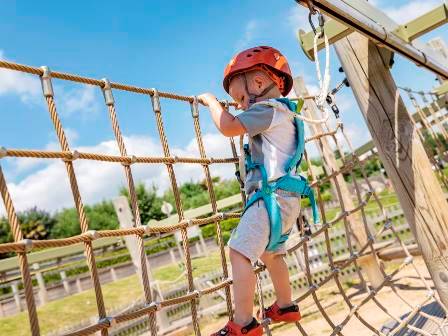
253, 97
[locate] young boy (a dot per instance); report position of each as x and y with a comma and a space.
255, 78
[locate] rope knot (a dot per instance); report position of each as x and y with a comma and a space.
196, 293
110, 321
156, 305
72, 156
130, 160
27, 244
408, 260
92, 234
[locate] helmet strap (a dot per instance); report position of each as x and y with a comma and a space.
253, 97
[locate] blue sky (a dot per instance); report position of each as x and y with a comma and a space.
166, 44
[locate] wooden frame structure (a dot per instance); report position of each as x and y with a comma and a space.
359, 46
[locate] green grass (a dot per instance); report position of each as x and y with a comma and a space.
69, 310
82, 306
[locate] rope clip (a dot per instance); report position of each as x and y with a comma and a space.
107, 92
45, 79
155, 100
194, 107
321, 21
28, 244
331, 102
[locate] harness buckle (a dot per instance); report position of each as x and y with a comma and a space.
238, 177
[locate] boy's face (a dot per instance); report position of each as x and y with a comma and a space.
257, 81
238, 92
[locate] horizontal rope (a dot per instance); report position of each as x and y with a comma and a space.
91, 81
75, 155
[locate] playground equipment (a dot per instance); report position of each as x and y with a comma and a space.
395, 138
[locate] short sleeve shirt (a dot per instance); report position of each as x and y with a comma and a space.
272, 139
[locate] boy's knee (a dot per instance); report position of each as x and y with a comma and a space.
269, 258
236, 256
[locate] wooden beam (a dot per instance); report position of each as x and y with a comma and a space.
368, 20
398, 252
340, 188
400, 151
425, 23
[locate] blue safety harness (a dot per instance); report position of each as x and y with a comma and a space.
290, 182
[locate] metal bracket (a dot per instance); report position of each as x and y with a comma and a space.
28, 244
155, 100
194, 107
45, 79
107, 92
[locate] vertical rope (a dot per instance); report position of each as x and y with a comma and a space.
90, 258
107, 91
264, 321
158, 112
211, 192
191, 289
23, 261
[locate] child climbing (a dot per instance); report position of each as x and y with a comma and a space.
256, 79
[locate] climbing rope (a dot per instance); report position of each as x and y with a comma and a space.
324, 81
337, 266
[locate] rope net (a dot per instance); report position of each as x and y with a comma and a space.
362, 241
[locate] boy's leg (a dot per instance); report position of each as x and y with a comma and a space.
278, 270
244, 282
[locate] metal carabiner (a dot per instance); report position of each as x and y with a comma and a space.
321, 20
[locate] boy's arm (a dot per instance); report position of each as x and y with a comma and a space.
224, 121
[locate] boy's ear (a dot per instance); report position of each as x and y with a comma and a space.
258, 81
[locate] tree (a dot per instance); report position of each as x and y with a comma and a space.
149, 204
100, 216
36, 224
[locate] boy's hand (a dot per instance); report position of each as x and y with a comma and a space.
207, 99
224, 121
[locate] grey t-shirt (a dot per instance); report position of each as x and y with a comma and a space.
272, 139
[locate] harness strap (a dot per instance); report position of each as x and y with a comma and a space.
288, 182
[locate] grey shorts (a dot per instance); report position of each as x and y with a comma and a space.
251, 236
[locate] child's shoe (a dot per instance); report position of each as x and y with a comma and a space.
232, 329
288, 314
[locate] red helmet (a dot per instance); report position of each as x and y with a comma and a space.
267, 59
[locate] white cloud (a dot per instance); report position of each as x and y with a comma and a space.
248, 36
82, 100
48, 188
27, 87
410, 10
24, 165
298, 18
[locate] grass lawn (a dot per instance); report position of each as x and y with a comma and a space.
82, 306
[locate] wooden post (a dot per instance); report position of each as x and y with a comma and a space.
65, 282
43, 296
125, 219
173, 256
369, 262
78, 284
401, 152
16, 293
203, 244
113, 274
